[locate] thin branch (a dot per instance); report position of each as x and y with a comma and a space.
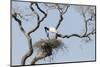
77, 35
61, 16
19, 22
86, 29
61, 10
66, 9
61, 19
29, 53
86, 21
27, 36
45, 14
38, 18
59, 22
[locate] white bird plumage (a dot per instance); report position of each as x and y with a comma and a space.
50, 29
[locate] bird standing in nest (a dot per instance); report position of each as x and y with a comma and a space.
52, 30
47, 46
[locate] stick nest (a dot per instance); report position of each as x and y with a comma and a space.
47, 46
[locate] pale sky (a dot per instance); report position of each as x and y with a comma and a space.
77, 49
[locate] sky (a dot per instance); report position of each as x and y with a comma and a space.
77, 49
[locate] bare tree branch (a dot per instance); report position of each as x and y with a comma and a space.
19, 22
29, 53
66, 8
84, 18
27, 36
86, 28
45, 14
33, 30
77, 35
59, 22
62, 10
61, 18
38, 19
61, 15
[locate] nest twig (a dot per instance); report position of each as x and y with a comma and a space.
46, 48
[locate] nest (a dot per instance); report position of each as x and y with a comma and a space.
47, 46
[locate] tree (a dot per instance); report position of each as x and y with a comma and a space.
46, 46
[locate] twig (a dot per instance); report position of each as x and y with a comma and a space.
27, 34
61, 19
38, 18
86, 29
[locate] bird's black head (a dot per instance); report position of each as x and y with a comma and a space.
46, 28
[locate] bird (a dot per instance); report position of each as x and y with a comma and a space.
52, 30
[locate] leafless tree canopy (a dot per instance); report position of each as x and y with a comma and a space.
27, 34
88, 14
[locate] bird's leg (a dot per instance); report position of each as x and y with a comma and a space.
48, 36
58, 35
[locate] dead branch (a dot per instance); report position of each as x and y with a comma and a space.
46, 46
27, 34
19, 22
38, 19
59, 22
62, 12
86, 28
